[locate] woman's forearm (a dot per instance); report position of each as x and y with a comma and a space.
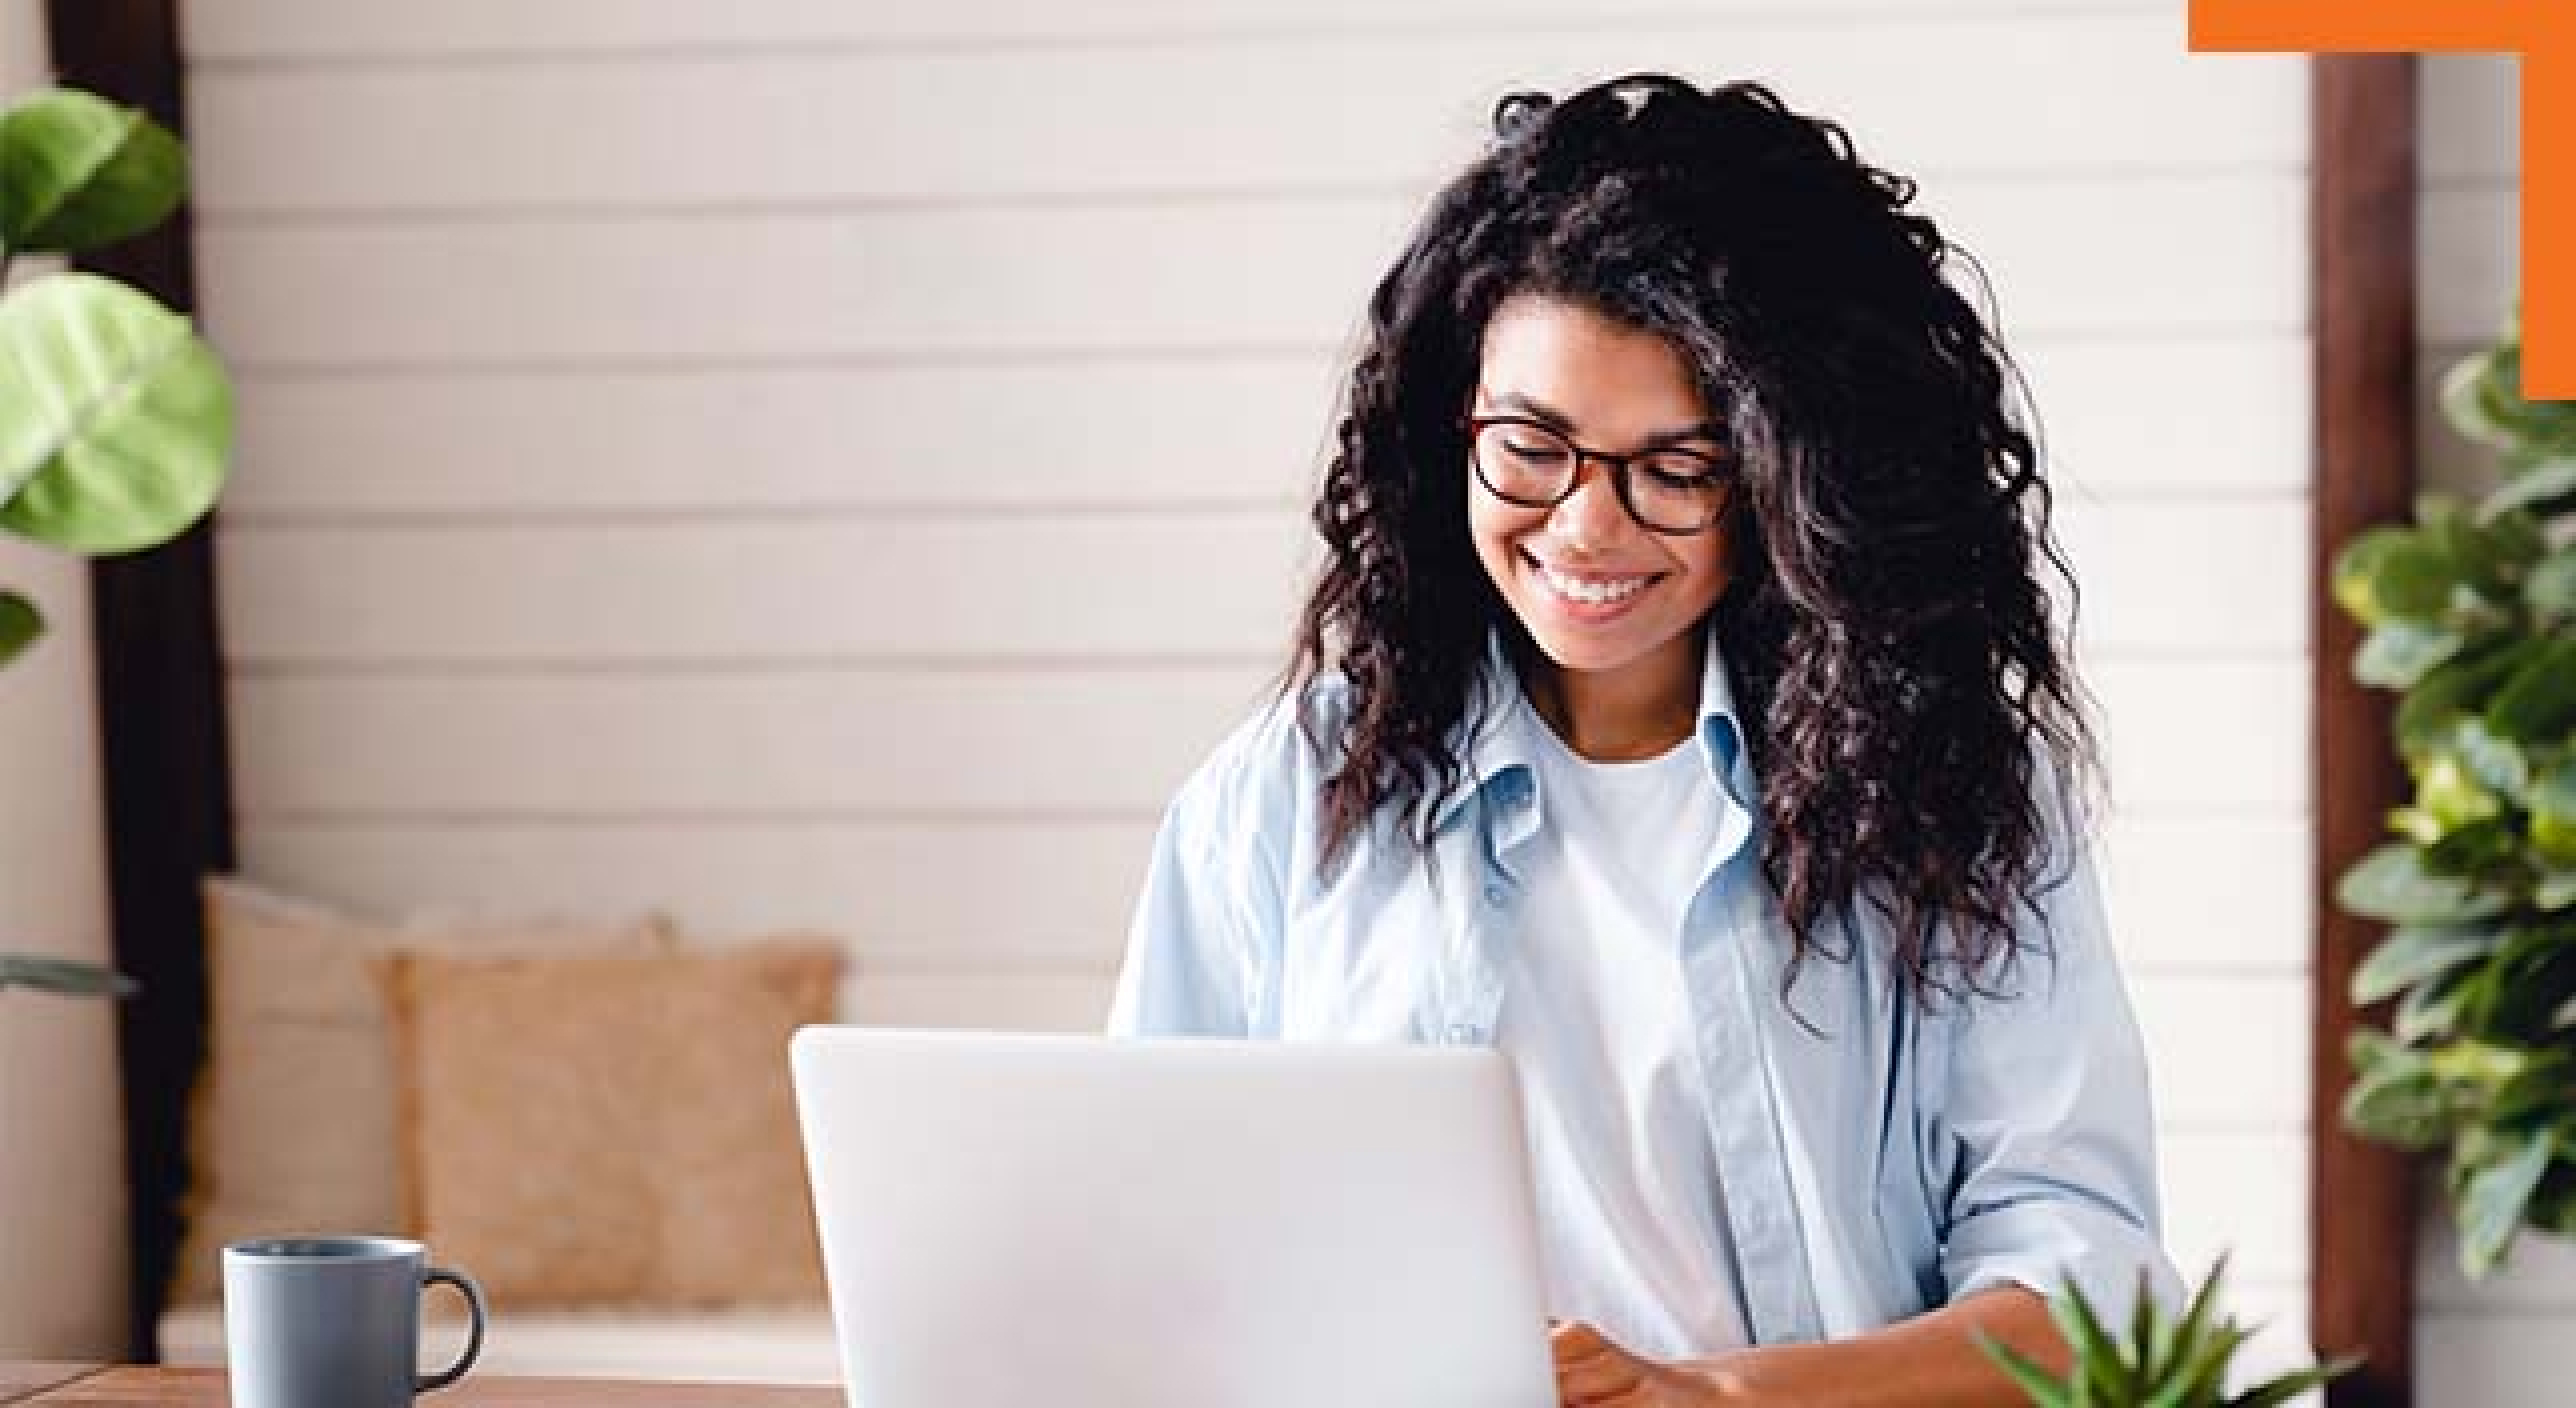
1930, 1361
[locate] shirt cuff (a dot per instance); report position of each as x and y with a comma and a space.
2047, 1244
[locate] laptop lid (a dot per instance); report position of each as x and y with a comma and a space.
1098, 1223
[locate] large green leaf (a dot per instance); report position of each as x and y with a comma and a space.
2452, 795
2542, 1089
2484, 552
2399, 1102
2478, 1065
20, 624
2409, 956
2492, 1199
2431, 1010
2391, 883
77, 172
2542, 484
2554, 890
2553, 813
2394, 574
116, 421
2398, 654
2551, 587
2473, 401
2430, 710
2538, 705
2498, 764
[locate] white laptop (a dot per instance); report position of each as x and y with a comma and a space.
1093, 1223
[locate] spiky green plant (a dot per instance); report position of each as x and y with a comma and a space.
2163, 1363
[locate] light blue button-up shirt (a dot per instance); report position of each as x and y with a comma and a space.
1877, 1159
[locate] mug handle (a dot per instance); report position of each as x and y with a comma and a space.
438, 1275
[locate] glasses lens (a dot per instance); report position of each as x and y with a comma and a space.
1677, 491
1524, 462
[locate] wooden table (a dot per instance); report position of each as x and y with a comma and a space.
51, 1385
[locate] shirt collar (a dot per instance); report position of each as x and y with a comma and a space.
1501, 753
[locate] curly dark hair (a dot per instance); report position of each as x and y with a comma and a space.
1912, 710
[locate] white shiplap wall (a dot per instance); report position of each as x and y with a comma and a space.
813, 464
2502, 1343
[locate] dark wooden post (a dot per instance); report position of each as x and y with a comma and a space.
161, 706
2361, 1240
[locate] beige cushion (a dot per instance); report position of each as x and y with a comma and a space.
612, 1131
293, 1122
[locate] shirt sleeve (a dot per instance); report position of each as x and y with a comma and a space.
2051, 1125
1195, 947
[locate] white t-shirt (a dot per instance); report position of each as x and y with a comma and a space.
1596, 1018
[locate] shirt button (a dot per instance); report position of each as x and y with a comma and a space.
1495, 895
1461, 1034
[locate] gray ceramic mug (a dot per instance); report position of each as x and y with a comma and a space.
334, 1322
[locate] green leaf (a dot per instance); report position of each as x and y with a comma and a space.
77, 172
2539, 485
2481, 852
2199, 1315
2100, 1371
2409, 956
2542, 1088
2552, 800
2429, 713
2448, 792
2205, 1374
2432, 1010
20, 624
116, 422
2401, 1106
2391, 884
2043, 1388
2492, 1202
2551, 587
2555, 890
2529, 973
2469, 401
2397, 654
63, 977
2145, 1333
2538, 705
2394, 574
2483, 1065
2485, 557
2497, 764
2291, 1385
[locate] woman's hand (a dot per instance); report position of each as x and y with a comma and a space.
1592, 1372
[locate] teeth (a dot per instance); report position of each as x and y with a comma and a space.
1591, 593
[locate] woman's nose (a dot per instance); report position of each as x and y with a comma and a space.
1592, 515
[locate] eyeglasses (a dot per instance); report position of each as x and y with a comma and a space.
1531, 464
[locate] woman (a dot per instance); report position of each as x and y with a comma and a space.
1679, 710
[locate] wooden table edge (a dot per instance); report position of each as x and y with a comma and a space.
25, 1380
136, 1386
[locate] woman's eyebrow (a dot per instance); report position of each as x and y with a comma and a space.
1539, 410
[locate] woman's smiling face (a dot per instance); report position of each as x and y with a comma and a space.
1596, 589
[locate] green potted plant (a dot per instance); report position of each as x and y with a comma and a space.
2471, 613
2163, 1362
116, 419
